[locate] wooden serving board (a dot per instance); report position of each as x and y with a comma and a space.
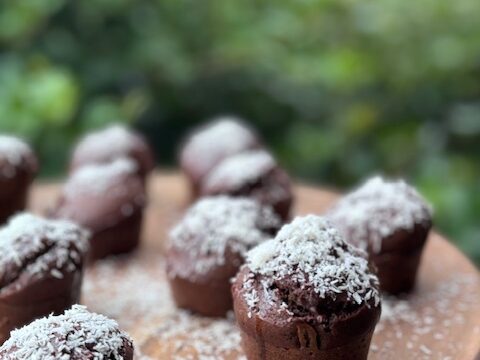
439, 320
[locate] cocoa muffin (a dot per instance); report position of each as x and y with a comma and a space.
108, 200
307, 294
208, 246
391, 221
253, 174
41, 263
212, 143
111, 143
75, 335
18, 166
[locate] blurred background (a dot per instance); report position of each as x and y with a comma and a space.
340, 89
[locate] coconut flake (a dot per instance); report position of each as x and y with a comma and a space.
27, 234
97, 179
222, 137
13, 150
377, 209
76, 334
214, 224
240, 169
113, 141
312, 251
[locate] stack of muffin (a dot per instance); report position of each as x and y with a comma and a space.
99, 213
307, 288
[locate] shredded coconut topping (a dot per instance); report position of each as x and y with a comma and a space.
377, 209
77, 334
224, 136
98, 178
214, 224
13, 150
28, 236
310, 250
240, 169
113, 141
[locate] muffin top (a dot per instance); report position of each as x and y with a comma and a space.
217, 225
76, 335
33, 247
15, 154
100, 195
239, 170
211, 143
115, 141
377, 209
308, 270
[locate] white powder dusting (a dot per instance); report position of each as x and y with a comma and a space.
240, 169
312, 251
97, 179
27, 235
108, 288
67, 336
13, 151
207, 339
215, 224
377, 209
425, 316
220, 138
111, 142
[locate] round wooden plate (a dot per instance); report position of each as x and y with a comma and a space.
439, 320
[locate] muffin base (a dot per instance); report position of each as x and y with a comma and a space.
121, 238
397, 272
42, 298
212, 298
259, 349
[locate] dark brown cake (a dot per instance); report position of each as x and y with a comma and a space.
212, 143
391, 221
18, 166
207, 248
252, 174
108, 200
111, 143
306, 294
75, 335
41, 264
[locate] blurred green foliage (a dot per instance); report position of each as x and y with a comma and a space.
340, 89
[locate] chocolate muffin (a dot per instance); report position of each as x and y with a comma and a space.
391, 221
253, 174
41, 264
75, 335
111, 143
212, 143
108, 200
18, 166
307, 294
208, 246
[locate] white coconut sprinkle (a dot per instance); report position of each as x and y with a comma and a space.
222, 137
214, 224
111, 142
77, 334
312, 251
12, 150
97, 179
208, 340
240, 169
27, 235
377, 209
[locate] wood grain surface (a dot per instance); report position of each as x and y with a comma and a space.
439, 320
